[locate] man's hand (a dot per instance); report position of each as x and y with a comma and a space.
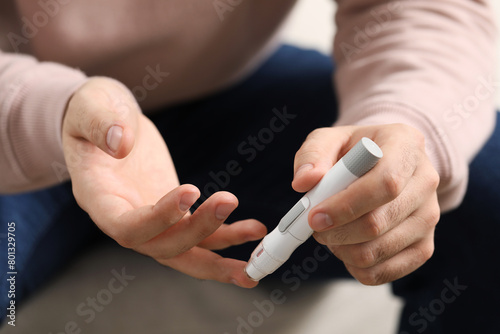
382, 226
123, 177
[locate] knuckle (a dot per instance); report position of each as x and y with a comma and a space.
202, 233
179, 249
348, 211
319, 132
431, 217
410, 132
163, 259
412, 147
426, 252
96, 130
218, 273
125, 241
307, 151
434, 179
371, 277
311, 142
340, 235
418, 137
166, 254
169, 252
374, 278
393, 184
336, 237
335, 251
365, 257
204, 230
374, 224
173, 217
124, 236
322, 239
434, 216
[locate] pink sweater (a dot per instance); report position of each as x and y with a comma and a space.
427, 63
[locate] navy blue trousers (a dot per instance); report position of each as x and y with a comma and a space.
246, 138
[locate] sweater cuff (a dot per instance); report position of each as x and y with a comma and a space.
38, 103
453, 170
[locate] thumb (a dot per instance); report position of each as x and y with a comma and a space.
103, 112
319, 152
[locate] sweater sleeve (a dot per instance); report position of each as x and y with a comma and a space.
425, 63
33, 98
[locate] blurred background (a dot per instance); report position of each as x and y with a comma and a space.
160, 300
318, 33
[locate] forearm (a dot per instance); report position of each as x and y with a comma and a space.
33, 98
425, 63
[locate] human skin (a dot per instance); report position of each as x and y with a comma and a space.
124, 178
381, 227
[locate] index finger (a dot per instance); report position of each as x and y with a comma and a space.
132, 227
382, 184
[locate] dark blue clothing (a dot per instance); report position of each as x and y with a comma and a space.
245, 142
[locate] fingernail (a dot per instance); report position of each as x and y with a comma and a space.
321, 221
302, 169
114, 137
187, 201
223, 211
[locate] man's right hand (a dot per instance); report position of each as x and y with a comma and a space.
124, 178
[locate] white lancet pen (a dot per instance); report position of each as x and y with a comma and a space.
293, 229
